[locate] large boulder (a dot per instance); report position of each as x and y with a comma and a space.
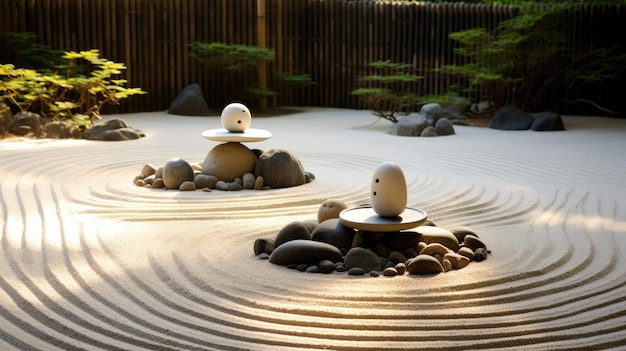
189, 102
410, 125
6, 119
280, 168
547, 122
228, 161
27, 124
511, 117
114, 129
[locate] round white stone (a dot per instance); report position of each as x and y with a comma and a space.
236, 117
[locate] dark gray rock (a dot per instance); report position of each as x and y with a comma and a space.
27, 124
205, 181
547, 122
189, 102
356, 271
432, 111
429, 131
280, 168
292, 231
6, 119
480, 254
114, 129
176, 172
264, 245
305, 252
511, 117
331, 231
410, 125
362, 258
443, 126
326, 266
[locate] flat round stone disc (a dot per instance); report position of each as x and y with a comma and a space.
364, 218
248, 135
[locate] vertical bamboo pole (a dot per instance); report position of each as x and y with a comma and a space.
262, 42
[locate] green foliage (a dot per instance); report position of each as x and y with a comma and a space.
77, 98
387, 92
238, 65
31, 54
526, 59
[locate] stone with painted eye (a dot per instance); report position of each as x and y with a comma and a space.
388, 190
236, 117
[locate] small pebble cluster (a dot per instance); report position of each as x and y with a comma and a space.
327, 246
180, 175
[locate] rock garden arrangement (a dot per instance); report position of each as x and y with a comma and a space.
231, 165
361, 241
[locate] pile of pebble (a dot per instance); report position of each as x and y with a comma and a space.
326, 246
180, 175
272, 169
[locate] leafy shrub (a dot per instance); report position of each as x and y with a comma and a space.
526, 60
238, 66
388, 92
77, 98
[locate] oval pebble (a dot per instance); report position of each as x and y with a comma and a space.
434, 249
312, 269
424, 264
400, 268
439, 235
258, 183
304, 251
292, 231
390, 272
356, 271
467, 252
457, 261
480, 254
234, 186
147, 170
473, 242
221, 185
447, 266
248, 180
460, 233
187, 186
158, 183
326, 266
205, 181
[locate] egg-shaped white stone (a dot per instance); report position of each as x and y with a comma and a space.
236, 117
388, 190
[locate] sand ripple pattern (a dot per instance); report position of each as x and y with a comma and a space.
90, 261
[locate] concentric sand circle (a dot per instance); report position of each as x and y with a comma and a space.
90, 261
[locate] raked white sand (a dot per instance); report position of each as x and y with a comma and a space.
90, 261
